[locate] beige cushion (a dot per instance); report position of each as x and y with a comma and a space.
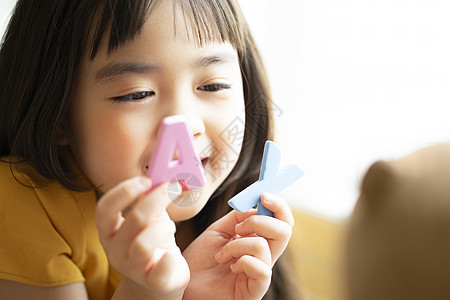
399, 235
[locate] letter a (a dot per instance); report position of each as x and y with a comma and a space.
174, 135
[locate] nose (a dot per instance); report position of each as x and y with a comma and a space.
195, 124
189, 107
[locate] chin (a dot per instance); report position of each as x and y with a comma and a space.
181, 213
189, 203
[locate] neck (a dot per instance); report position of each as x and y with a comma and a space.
185, 234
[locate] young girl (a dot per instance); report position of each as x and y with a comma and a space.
84, 86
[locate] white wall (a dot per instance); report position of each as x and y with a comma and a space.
6, 7
356, 80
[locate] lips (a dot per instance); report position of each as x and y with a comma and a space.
204, 161
183, 183
184, 186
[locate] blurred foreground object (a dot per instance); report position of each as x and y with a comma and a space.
399, 235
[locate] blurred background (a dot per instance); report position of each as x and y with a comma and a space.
353, 81
356, 81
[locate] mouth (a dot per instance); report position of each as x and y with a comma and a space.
184, 185
204, 161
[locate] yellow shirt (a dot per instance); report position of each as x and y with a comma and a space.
48, 235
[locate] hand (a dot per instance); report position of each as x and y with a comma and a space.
232, 259
141, 245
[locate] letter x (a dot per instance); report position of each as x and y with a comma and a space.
270, 180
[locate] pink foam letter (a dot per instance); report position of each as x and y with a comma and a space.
173, 135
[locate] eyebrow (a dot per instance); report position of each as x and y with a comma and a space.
113, 71
207, 61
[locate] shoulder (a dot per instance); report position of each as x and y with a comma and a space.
21, 182
13, 184
23, 191
43, 228
18, 197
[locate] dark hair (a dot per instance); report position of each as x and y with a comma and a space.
43, 47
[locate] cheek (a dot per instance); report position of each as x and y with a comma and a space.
118, 136
227, 134
229, 127
116, 142
109, 148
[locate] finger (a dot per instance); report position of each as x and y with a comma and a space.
147, 211
275, 231
254, 246
252, 267
227, 223
241, 216
279, 207
141, 253
267, 227
109, 209
258, 276
171, 272
153, 203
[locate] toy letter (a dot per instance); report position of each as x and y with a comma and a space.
174, 135
270, 180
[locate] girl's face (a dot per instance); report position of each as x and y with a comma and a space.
121, 98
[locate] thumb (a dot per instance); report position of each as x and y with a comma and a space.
227, 223
156, 201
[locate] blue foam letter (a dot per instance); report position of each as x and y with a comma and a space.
270, 180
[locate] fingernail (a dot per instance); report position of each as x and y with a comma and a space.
268, 198
218, 256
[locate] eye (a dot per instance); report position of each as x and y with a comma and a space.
214, 87
134, 96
